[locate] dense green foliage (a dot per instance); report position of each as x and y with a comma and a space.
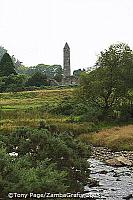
110, 85
12, 83
51, 71
35, 76
2, 52
30, 77
46, 162
37, 79
6, 66
78, 72
77, 110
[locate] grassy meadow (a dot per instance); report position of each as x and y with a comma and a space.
29, 108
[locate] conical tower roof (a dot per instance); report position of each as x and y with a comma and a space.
66, 46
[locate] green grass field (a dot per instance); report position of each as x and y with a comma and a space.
31, 107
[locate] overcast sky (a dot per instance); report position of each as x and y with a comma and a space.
35, 31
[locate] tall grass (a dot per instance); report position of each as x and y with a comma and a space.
117, 138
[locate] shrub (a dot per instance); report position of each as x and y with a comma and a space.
126, 112
37, 79
78, 111
64, 107
46, 161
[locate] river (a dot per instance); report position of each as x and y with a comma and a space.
115, 183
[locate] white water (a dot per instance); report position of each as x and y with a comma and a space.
116, 183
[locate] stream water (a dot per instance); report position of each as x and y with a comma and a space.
115, 183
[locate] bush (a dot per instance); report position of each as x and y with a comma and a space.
126, 112
12, 83
64, 107
37, 79
46, 162
78, 111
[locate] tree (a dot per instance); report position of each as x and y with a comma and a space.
7, 66
2, 52
37, 79
16, 62
57, 72
119, 61
21, 69
51, 71
109, 83
78, 72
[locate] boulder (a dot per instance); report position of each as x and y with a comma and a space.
124, 161
119, 161
113, 162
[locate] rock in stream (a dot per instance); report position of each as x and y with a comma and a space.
115, 183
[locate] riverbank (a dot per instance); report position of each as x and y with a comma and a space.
118, 138
103, 154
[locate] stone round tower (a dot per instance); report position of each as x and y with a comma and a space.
66, 61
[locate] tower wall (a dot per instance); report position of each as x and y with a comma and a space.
66, 61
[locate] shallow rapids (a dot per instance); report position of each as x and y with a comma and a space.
115, 183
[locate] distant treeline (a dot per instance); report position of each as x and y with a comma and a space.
14, 76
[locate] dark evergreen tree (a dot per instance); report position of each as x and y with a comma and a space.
7, 66
2, 52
